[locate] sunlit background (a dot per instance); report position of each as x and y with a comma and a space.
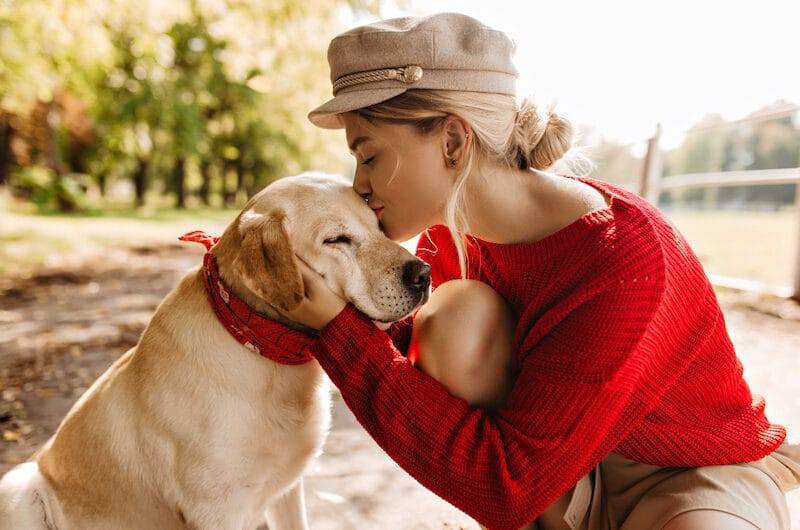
199, 103
623, 66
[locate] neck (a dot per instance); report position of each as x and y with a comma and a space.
502, 204
516, 206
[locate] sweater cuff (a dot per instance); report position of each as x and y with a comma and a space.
344, 341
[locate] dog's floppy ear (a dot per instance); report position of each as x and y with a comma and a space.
266, 262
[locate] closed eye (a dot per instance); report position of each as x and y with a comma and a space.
338, 240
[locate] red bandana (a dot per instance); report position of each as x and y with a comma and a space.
263, 336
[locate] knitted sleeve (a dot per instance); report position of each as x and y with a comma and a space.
400, 333
505, 468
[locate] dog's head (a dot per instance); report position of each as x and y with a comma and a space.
321, 219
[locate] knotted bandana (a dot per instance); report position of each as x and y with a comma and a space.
257, 333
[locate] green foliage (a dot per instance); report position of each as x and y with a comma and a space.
48, 190
168, 89
48, 45
759, 142
716, 146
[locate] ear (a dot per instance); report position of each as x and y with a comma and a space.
266, 262
456, 141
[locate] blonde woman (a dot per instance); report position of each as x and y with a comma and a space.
572, 369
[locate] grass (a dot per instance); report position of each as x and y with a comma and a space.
756, 246
29, 239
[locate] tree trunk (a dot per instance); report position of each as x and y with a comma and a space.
240, 177
101, 183
140, 181
179, 174
5, 148
228, 191
205, 188
53, 154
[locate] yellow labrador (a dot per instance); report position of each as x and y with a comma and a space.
191, 429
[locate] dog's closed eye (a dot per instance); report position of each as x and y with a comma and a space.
338, 240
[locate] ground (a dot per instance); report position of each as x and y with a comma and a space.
62, 325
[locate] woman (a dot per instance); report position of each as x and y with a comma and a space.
572, 369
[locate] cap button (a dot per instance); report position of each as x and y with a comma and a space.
411, 74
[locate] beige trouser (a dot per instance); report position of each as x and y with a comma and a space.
620, 494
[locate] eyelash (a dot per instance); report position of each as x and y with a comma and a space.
368, 161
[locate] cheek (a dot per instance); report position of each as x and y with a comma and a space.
341, 272
414, 176
426, 195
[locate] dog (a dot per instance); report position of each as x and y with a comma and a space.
192, 428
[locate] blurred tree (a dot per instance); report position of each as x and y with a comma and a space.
49, 49
5, 146
774, 144
616, 163
759, 142
168, 88
701, 152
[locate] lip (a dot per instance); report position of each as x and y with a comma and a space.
377, 210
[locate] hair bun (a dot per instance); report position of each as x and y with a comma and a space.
541, 140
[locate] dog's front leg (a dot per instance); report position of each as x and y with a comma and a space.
288, 512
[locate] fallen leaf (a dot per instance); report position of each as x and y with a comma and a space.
11, 436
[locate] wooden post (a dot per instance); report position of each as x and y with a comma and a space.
796, 284
652, 169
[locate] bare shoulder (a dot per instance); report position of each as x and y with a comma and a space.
557, 202
543, 204
591, 197
572, 195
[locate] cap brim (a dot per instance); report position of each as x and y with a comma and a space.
326, 115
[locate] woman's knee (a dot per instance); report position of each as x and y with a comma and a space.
464, 336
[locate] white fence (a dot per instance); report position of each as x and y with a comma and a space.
653, 182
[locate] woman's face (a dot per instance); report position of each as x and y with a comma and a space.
403, 174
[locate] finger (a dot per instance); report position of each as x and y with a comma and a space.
306, 271
383, 326
307, 274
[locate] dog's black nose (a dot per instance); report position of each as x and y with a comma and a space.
417, 275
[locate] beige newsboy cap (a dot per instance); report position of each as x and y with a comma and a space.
449, 51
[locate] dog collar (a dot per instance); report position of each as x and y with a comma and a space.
259, 334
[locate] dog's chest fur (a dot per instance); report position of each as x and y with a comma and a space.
210, 429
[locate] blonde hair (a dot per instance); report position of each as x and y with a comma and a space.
504, 131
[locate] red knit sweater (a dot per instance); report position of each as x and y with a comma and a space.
621, 346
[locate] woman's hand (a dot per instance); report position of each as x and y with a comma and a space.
320, 305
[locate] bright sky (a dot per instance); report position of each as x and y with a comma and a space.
625, 65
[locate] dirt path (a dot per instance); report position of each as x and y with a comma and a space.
62, 326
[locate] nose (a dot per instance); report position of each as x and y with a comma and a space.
361, 185
417, 275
